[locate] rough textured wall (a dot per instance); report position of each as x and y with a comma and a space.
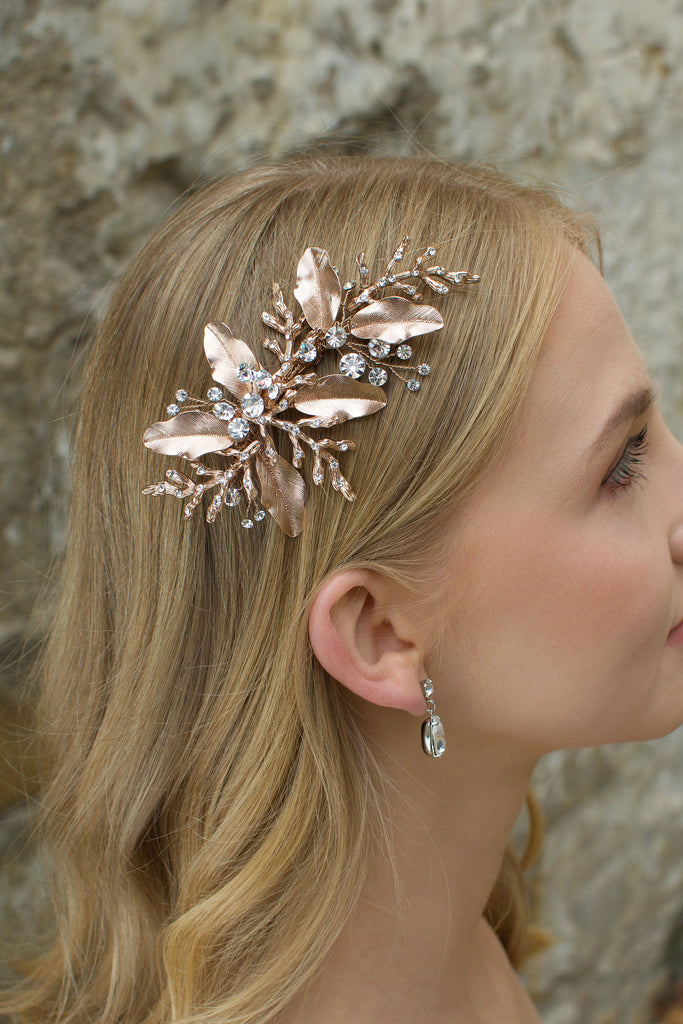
110, 109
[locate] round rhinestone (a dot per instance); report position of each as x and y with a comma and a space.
343, 446
336, 337
252, 405
260, 515
378, 349
247, 523
424, 369
273, 391
392, 279
378, 376
161, 489
238, 429
173, 410
214, 394
181, 395
413, 385
315, 423
352, 365
262, 379
307, 352
245, 373
431, 251
404, 351
232, 496
223, 411
364, 296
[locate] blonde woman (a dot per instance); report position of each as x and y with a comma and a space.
243, 822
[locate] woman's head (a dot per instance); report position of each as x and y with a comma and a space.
211, 776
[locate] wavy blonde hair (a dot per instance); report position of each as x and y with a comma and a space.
213, 805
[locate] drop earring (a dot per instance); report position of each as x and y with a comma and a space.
433, 735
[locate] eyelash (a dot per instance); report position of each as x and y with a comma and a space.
628, 468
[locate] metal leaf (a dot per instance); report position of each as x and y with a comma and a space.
318, 290
394, 319
225, 352
189, 434
337, 398
282, 492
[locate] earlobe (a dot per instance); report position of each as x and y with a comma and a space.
364, 638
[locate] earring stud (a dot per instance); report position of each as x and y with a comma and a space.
433, 734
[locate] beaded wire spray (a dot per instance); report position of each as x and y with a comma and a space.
367, 330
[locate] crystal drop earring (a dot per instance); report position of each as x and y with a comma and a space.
433, 735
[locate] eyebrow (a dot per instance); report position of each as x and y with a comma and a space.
631, 408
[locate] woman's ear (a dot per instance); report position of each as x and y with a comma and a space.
366, 639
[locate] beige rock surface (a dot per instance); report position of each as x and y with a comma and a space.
111, 108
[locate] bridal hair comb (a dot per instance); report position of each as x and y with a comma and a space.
368, 329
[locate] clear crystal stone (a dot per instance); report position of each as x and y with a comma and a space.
232, 496
392, 279
262, 379
404, 351
284, 404
378, 349
441, 289
352, 365
173, 410
295, 431
238, 429
161, 489
285, 366
378, 376
318, 475
433, 736
223, 411
214, 394
245, 373
413, 385
348, 285
217, 501
382, 282
343, 446
364, 296
252, 405
307, 352
315, 423
424, 369
247, 523
260, 515
244, 456
431, 251
336, 337
181, 395
178, 492
273, 391
334, 464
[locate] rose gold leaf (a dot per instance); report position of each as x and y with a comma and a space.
337, 398
225, 352
395, 319
318, 290
189, 434
282, 492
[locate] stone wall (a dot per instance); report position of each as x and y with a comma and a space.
111, 108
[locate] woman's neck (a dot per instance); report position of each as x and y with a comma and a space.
417, 946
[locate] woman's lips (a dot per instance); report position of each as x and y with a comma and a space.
675, 637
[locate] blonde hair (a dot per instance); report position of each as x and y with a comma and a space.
213, 805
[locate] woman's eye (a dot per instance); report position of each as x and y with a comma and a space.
629, 467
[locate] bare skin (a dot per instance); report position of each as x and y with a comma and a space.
563, 583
